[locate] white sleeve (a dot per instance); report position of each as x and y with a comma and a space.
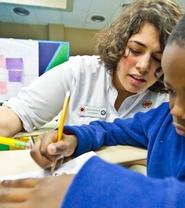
42, 99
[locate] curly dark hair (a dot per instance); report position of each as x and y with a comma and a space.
178, 34
111, 42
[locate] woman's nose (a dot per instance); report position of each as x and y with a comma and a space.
143, 64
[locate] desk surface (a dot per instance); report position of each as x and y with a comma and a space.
120, 154
34, 133
13, 162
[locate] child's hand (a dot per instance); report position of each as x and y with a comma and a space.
47, 149
37, 193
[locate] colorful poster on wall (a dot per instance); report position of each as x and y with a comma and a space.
19, 65
51, 54
22, 61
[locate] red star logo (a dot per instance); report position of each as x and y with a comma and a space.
82, 109
147, 103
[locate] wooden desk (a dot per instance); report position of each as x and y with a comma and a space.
34, 133
120, 154
15, 161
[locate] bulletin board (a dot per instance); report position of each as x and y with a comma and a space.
22, 61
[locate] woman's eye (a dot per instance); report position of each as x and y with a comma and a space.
157, 59
134, 51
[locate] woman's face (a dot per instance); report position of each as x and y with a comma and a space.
136, 69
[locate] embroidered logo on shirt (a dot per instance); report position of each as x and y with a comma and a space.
82, 109
147, 103
91, 111
103, 112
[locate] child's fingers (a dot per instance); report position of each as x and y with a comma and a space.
40, 159
56, 149
13, 205
21, 183
65, 147
46, 140
14, 194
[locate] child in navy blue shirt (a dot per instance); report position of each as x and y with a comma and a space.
99, 184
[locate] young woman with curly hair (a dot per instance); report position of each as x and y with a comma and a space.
123, 79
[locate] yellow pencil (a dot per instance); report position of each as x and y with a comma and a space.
14, 143
63, 116
61, 123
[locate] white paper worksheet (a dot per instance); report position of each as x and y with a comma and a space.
24, 167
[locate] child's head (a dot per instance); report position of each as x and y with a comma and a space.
173, 64
112, 42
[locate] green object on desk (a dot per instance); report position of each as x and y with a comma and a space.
11, 142
4, 147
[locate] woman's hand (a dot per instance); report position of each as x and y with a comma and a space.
47, 149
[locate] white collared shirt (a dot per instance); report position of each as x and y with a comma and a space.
92, 95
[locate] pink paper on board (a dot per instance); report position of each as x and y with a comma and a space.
2, 61
3, 87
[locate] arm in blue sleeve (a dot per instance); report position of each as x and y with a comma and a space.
134, 131
100, 184
99, 133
